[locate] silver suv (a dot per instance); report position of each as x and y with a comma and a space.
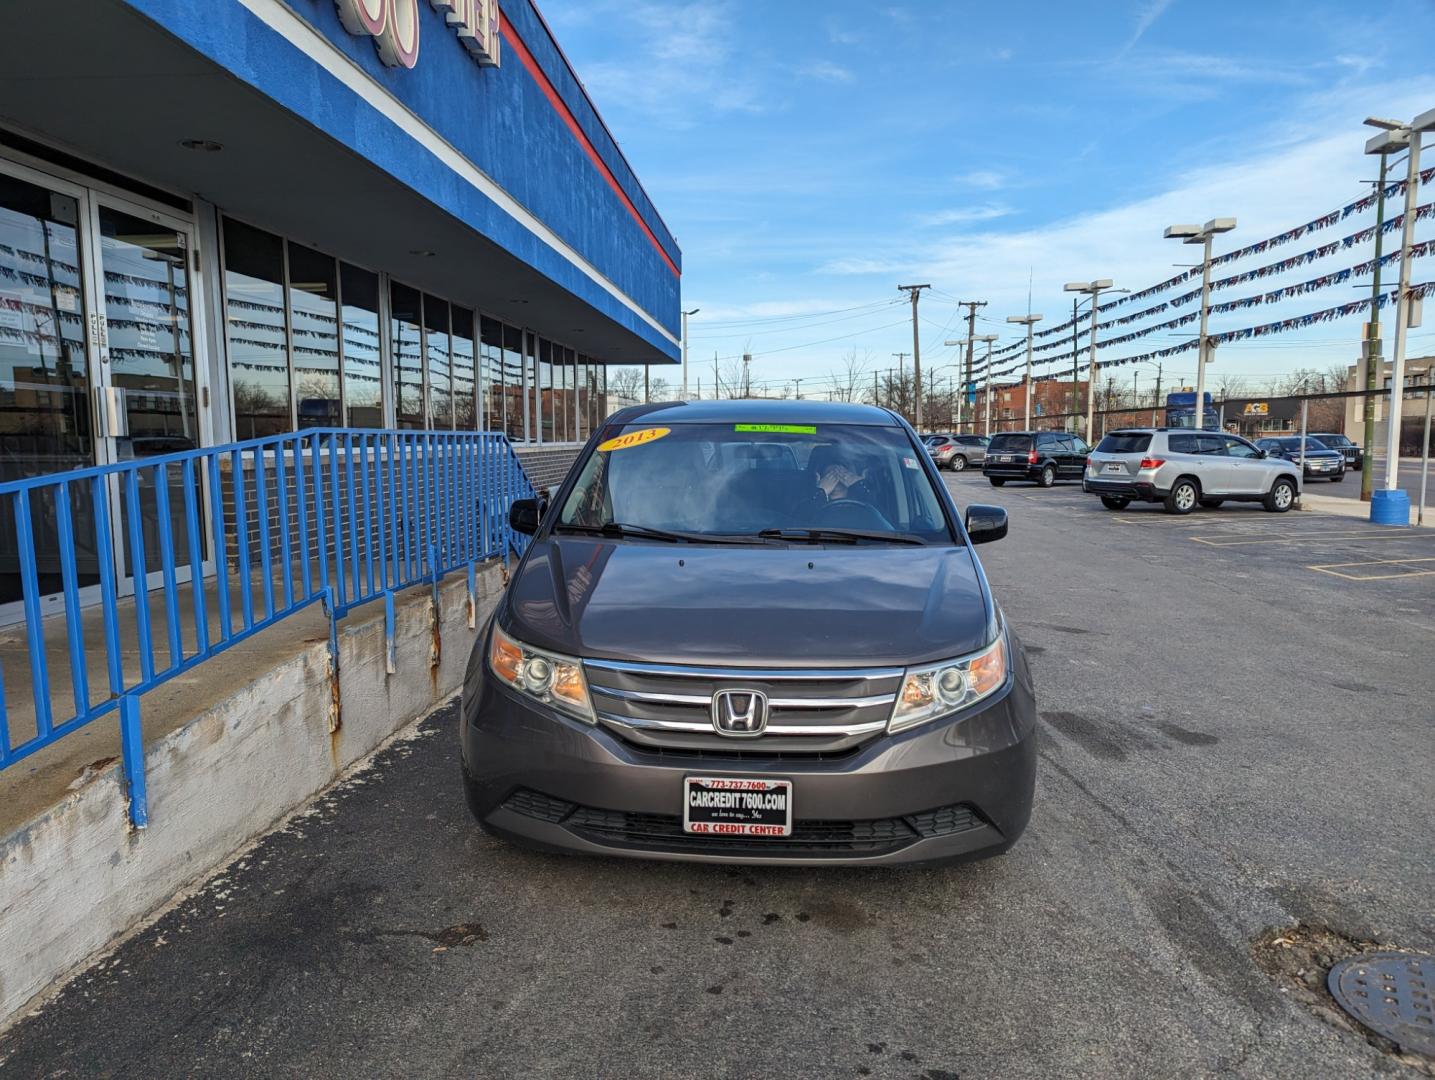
1181, 469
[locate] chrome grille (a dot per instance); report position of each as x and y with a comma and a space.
815, 710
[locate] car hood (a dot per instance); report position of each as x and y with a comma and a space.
802, 605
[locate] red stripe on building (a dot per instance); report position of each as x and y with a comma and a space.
520, 50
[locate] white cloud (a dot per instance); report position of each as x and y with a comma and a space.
962, 215
825, 71
1145, 20
982, 179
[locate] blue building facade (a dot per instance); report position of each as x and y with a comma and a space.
237, 218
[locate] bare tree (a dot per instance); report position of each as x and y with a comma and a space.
1230, 386
850, 379
626, 383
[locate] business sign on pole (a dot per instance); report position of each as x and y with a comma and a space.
394, 26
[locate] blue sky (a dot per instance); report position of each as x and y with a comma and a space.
812, 156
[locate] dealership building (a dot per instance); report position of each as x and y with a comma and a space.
236, 218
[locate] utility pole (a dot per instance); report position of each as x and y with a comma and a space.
876, 391
717, 379
1028, 319
694, 311
915, 292
1075, 377
1156, 399
901, 381
971, 306
798, 383
747, 375
987, 391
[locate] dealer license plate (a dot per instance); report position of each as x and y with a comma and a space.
734, 806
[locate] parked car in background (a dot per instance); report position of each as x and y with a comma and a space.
957, 452
1354, 455
1040, 456
1320, 460
1183, 469
698, 658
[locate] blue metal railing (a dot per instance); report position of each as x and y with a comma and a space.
338, 517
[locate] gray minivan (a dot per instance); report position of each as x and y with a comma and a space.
713, 650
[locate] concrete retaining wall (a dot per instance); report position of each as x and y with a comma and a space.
76, 877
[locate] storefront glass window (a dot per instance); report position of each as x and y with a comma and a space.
582, 399
530, 380
490, 382
314, 321
513, 385
406, 347
363, 368
547, 393
436, 349
254, 318
464, 409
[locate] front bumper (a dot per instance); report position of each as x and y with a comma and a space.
947, 791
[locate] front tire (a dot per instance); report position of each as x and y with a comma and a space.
997, 481
1183, 497
1337, 478
1281, 496
1048, 476
1115, 502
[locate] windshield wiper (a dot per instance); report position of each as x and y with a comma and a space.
620, 528
841, 536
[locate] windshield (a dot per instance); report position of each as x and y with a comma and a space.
1334, 441
743, 479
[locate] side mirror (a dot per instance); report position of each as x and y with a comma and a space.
985, 523
524, 515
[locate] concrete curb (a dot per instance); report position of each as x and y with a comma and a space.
76, 879
1351, 508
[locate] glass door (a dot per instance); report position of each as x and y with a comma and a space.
46, 417
147, 373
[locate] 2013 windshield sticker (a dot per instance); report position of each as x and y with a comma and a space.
778, 429
630, 439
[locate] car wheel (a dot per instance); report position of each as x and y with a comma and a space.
997, 481
1183, 497
1115, 502
959, 463
1212, 504
1281, 497
1048, 476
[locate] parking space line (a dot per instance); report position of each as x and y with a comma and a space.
1334, 569
1307, 538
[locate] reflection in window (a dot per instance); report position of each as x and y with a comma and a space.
254, 321
314, 315
44, 382
464, 408
513, 384
363, 370
584, 399
438, 360
406, 345
490, 381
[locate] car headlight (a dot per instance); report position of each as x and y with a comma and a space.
938, 689
548, 677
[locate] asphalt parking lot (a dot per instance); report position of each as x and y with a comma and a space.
1236, 785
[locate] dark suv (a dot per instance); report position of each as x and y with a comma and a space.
1042, 456
713, 654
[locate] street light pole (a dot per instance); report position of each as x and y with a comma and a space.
1201, 234
1395, 135
1372, 343
1029, 320
694, 311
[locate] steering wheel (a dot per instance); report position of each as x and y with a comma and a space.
866, 515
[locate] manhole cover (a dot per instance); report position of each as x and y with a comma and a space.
1391, 993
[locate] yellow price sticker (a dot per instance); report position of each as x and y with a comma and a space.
633, 438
